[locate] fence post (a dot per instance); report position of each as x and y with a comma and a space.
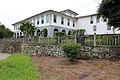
104, 40
118, 40
107, 40
112, 41
115, 41
39, 40
94, 39
75, 38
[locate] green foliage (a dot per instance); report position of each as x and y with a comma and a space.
67, 36
45, 41
110, 9
59, 34
43, 32
89, 40
79, 32
18, 67
71, 49
5, 32
67, 41
27, 28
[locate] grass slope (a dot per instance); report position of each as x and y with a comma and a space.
18, 67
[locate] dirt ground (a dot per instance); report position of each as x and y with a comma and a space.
56, 68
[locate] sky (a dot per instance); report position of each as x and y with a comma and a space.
12, 11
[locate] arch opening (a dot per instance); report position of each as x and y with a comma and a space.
45, 32
64, 32
55, 30
69, 32
38, 32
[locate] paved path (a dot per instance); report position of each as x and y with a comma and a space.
4, 56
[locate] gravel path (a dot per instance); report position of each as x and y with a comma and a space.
4, 56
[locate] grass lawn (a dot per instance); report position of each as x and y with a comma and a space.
18, 67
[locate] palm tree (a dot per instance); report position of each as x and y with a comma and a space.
27, 28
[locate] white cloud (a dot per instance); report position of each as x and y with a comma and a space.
12, 11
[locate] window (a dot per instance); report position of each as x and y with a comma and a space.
94, 28
42, 19
108, 27
68, 22
18, 26
97, 20
34, 21
47, 18
54, 18
62, 20
91, 20
73, 23
30, 21
14, 27
105, 20
37, 20
20, 33
15, 34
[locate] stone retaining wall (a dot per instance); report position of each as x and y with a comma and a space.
43, 50
98, 52
10, 47
55, 50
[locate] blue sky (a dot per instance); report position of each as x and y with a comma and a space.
12, 11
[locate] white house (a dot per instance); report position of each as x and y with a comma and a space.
66, 21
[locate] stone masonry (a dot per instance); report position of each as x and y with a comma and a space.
55, 50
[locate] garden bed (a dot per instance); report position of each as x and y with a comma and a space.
56, 68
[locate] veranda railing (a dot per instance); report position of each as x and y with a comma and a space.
105, 40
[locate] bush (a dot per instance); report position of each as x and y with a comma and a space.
71, 49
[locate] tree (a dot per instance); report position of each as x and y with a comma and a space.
79, 32
44, 32
59, 36
79, 36
2, 34
8, 33
110, 10
27, 28
5, 32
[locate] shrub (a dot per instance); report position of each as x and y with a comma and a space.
71, 49
68, 41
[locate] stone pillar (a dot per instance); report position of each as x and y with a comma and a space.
50, 31
75, 39
35, 33
94, 39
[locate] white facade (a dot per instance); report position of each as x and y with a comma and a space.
100, 24
66, 21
